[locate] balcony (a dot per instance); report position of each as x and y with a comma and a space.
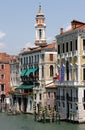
37, 88
32, 78
58, 56
26, 93
83, 53
57, 97
62, 98
75, 53
20, 93
67, 83
66, 55
83, 100
73, 99
70, 54
2, 93
62, 55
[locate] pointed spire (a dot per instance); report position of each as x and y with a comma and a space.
40, 11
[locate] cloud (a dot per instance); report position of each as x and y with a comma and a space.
2, 35
2, 38
2, 45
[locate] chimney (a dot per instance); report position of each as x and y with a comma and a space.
61, 30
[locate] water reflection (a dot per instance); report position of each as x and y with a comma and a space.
26, 122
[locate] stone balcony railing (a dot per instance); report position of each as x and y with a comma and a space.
2, 93
63, 98
21, 93
68, 83
76, 53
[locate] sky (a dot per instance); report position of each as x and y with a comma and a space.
17, 20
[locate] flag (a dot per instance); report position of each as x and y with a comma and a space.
61, 73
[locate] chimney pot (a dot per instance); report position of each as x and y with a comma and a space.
61, 30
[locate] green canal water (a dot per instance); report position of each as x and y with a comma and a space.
26, 122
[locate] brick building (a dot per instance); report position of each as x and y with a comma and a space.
4, 75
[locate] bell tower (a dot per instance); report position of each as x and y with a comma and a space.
40, 27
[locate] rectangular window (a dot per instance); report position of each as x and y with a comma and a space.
48, 94
83, 73
21, 61
2, 66
76, 44
40, 33
51, 57
37, 58
63, 48
32, 59
48, 107
83, 44
58, 49
42, 71
55, 107
76, 93
70, 45
66, 46
35, 96
71, 105
29, 59
40, 96
84, 106
76, 73
42, 57
54, 95
84, 95
63, 92
71, 94
63, 104
26, 60
59, 104
2, 76
2, 87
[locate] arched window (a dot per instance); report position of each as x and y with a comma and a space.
76, 71
42, 71
30, 105
70, 71
51, 70
40, 33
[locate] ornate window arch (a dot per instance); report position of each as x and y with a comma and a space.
51, 70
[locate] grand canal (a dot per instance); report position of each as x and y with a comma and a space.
26, 122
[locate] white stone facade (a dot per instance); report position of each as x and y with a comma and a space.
71, 92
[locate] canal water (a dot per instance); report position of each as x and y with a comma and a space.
26, 122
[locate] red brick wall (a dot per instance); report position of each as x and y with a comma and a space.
4, 60
6, 80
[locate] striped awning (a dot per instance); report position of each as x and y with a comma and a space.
30, 71
23, 72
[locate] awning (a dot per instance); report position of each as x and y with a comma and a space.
30, 71
23, 72
23, 86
